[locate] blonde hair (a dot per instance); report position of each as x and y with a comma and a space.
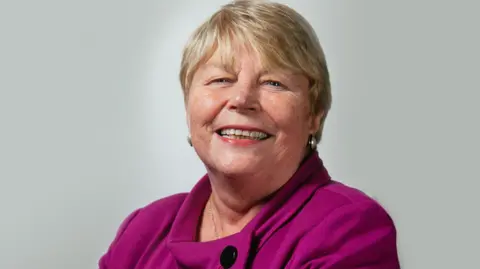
281, 37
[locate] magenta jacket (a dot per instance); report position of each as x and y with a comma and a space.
312, 222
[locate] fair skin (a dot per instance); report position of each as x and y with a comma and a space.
244, 171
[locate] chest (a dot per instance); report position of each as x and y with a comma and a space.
274, 253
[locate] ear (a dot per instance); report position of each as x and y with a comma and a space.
315, 122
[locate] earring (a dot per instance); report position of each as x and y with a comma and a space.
189, 140
312, 142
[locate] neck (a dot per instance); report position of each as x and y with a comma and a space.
227, 221
236, 200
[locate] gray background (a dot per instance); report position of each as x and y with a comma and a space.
92, 120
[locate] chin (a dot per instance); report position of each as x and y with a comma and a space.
234, 165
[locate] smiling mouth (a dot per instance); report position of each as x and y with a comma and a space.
242, 134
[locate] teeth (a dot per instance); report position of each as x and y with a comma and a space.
243, 133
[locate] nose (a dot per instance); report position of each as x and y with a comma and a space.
244, 98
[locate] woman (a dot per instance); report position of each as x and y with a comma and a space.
257, 93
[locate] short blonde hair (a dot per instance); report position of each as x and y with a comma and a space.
281, 37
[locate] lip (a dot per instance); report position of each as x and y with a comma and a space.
243, 128
241, 142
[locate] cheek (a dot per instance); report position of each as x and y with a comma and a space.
202, 108
289, 112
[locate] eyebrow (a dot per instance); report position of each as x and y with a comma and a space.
284, 73
230, 69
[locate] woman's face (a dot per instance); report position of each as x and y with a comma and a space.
248, 120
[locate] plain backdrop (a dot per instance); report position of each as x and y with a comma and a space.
93, 125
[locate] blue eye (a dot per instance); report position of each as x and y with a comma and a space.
275, 84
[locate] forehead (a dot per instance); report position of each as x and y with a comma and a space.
232, 59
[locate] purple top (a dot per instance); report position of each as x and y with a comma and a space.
311, 222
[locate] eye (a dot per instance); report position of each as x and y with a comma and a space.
221, 80
274, 84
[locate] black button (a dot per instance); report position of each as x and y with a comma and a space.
228, 257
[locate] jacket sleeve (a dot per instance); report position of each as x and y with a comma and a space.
355, 236
104, 261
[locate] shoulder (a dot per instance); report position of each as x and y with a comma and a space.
164, 209
156, 215
140, 227
159, 214
336, 197
347, 203
339, 206
350, 229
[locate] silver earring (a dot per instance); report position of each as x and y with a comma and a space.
312, 142
189, 140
